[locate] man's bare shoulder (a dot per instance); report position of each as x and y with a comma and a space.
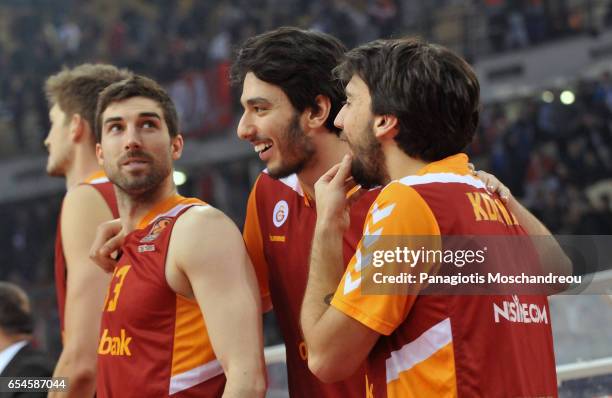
201, 219
204, 242
84, 198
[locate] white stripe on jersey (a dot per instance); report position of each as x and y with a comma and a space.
443, 178
195, 376
419, 350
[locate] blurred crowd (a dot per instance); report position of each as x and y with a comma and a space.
557, 158
166, 39
27, 240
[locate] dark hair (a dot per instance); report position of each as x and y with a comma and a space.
298, 61
433, 92
15, 317
137, 86
76, 90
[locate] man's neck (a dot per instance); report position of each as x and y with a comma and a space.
329, 151
84, 164
399, 164
134, 207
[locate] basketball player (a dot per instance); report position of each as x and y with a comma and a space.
290, 99
181, 259
411, 109
90, 200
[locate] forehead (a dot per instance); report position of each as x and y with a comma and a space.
131, 108
56, 110
357, 87
255, 88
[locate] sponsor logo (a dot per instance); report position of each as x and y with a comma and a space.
156, 229
517, 312
277, 238
146, 248
280, 213
115, 346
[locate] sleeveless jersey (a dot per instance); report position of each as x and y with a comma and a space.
446, 345
278, 232
100, 182
153, 341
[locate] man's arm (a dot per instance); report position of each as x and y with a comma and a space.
337, 344
552, 256
208, 250
84, 208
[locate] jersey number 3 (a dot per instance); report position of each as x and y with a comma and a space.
118, 277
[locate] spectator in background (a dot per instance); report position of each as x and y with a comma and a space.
535, 21
497, 24
18, 357
383, 14
517, 33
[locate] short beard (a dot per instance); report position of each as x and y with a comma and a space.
368, 166
141, 186
296, 147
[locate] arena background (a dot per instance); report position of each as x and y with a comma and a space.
545, 131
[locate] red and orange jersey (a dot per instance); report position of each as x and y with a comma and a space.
443, 345
278, 233
153, 341
100, 182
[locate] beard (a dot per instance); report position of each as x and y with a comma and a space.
368, 165
143, 183
296, 149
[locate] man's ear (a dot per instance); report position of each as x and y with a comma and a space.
78, 126
99, 154
177, 146
386, 126
316, 117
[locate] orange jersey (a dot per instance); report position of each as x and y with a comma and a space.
153, 341
100, 182
278, 233
443, 345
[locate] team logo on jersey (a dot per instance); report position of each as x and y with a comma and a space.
280, 213
156, 229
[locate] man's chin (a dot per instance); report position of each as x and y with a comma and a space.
364, 179
134, 189
54, 172
279, 172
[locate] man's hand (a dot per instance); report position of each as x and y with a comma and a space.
492, 184
108, 240
330, 195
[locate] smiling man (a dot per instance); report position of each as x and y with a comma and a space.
180, 259
411, 110
290, 100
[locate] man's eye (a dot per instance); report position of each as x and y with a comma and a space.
114, 128
148, 125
